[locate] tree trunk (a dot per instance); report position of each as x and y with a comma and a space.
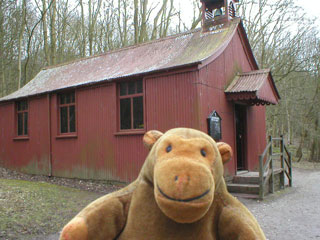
315, 143
45, 32
90, 30
53, 32
2, 78
83, 32
125, 23
143, 32
167, 20
299, 153
62, 34
156, 19
196, 18
23, 25
93, 14
136, 21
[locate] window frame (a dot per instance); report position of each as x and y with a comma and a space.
68, 105
23, 111
132, 130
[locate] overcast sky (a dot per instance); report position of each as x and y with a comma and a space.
312, 7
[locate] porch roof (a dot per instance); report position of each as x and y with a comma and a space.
254, 88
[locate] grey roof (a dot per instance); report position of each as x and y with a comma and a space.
171, 52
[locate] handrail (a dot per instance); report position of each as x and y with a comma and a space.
266, 169
266, 149
266, 165
287, 151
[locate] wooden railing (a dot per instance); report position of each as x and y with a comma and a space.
266, 169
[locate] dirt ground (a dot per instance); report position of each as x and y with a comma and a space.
32, 205
290, 214
98, 186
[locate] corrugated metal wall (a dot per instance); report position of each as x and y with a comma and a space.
27, 155
172, 101
97, 152
179, 99
214, 78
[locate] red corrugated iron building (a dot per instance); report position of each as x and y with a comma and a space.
86, 119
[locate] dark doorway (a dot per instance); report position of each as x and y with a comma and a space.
240, 115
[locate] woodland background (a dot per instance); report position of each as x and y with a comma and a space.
39, 33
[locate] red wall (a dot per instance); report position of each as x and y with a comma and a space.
28, 155
98, 151
214, 78
172, 101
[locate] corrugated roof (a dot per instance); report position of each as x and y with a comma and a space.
171, 52
256, 86
248, 82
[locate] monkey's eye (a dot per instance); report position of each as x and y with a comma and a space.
203, 152
169, 148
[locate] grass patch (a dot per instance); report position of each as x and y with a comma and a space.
28, 208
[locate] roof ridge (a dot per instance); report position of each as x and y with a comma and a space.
266, 70
122, 49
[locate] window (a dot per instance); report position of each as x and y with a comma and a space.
22, 118
67, 112
131, 105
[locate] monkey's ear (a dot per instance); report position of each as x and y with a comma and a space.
151, 137
225, 151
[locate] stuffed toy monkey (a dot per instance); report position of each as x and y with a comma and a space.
180, 193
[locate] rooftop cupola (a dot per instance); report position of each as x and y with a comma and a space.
215, 12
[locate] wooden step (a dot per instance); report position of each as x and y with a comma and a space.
243, 188
246, 179
245, 195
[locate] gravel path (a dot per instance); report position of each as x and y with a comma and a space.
293, 213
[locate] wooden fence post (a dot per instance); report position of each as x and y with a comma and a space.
290, 170
282, 162
271, 165
261, 178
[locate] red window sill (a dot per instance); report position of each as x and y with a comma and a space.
130, 132
67, 136
21, 138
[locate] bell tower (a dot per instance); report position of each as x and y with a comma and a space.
216, 12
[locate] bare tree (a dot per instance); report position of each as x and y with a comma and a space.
143, 25
93, 14
156, 19
21, 32
45, 31
83, 31
123, 21
2, 32
53, 33
197, 14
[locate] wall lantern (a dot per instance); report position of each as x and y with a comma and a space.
214, 125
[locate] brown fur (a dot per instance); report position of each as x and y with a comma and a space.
179, 194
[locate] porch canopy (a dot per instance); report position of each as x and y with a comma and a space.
253, 88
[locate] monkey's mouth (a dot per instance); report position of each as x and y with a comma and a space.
183, 200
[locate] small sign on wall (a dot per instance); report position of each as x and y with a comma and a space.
214, 126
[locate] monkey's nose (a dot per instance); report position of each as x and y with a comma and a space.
182, 179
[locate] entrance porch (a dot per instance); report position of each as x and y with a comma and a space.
275, 173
